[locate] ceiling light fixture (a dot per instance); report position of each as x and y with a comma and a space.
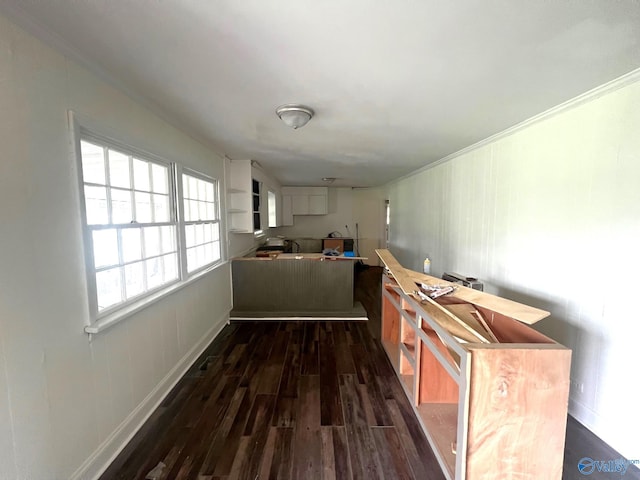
329, 179
294, 115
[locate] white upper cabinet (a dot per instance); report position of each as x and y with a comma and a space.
304, 201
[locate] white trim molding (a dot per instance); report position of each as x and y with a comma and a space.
609, 87
110, 448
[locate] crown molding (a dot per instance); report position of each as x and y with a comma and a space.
590, 95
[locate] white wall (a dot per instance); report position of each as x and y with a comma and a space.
347, 206
549, 215
67, 404
369, 214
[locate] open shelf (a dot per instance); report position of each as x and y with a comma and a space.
407, 375
393, 352
457, 385
441, 421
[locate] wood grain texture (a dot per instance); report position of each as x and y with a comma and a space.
212, 418
523, 313
469, 315
517, 401
438, 387
400, 274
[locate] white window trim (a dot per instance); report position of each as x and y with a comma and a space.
180, 170
85, 129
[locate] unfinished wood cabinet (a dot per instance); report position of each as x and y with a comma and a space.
494, 407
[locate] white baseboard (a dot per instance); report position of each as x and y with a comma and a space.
101, 458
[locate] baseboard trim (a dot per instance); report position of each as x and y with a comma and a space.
285, 319
105, 454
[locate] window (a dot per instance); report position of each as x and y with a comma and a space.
201, 221
271, 204
132, 227
255, 189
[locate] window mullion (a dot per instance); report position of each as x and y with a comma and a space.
132, 189
123, 280
178, 190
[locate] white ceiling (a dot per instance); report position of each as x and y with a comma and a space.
395, 84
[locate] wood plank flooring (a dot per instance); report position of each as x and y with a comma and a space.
289, 400
298, 400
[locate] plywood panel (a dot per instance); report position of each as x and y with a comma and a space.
467, 313
508, 330
517, 412
523, 313
436, 385
406, 283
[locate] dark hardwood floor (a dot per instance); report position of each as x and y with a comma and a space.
298, 400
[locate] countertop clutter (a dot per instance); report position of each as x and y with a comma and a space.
307, 248
278, 255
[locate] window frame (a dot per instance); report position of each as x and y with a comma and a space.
182, 222
99, 320
272, 209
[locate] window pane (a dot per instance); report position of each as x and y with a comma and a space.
151, 241
105, 248
193, 187
154, 273
119, 170
216, 251
131, 244
134, 279
190, 235
160, 178
108, 283
185, 186
201, 255
121, 206
215, 231
96, 205
170, 267
141, 175
161, 208
199, 233
92, 163
191, 259
211, 211
210, 193
208, 232
143, 207
202, 190
168, 239
272, 208
195, 213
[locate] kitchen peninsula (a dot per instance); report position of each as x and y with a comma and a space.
294, 285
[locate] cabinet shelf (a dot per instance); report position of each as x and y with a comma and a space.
238, 207
441, 421
408, 350
474, 399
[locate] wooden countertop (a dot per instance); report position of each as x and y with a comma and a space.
300, 256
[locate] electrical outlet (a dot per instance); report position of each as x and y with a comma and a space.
576, 386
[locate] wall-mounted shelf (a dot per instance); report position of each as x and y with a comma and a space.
490, 408
239, 197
